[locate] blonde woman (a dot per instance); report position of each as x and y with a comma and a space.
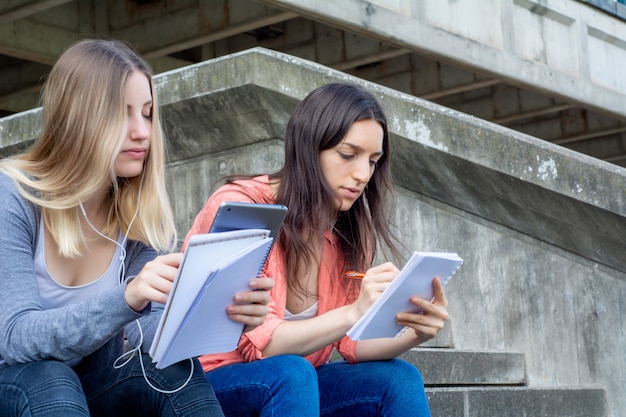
84, 214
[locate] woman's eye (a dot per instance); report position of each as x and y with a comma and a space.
147, 116
346, 156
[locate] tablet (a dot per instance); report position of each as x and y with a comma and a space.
236, 216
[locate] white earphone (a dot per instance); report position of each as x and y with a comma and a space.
121, 273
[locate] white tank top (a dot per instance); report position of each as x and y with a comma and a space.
306, 314
55, 295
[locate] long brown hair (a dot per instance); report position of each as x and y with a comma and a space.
320, 122
83, 131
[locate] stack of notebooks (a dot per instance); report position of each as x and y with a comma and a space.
214, 267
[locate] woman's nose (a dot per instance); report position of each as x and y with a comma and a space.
362, 170
139, 127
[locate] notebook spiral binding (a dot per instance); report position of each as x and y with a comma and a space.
263, 268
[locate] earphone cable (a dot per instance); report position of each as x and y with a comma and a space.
121, 273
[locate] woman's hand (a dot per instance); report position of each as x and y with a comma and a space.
428, 323
154, 281
251, 307
373, 283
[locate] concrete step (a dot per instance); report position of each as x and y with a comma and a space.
517, 402
464, 383
453, 367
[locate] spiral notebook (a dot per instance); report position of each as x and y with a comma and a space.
214, 267
415, 279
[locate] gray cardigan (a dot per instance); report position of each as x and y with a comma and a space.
93, 326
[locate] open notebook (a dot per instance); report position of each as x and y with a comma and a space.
214, 267
415, 279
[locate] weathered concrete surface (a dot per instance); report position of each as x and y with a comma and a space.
541, 228
446, 367
567, 48
516, 402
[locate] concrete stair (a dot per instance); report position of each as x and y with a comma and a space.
461, 383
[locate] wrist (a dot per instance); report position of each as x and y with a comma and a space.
352, 314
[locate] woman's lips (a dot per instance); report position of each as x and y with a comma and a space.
353, 193
135, 153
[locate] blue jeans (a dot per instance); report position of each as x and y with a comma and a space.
46, 389
277, 386
51, 388
288, 385
379, 388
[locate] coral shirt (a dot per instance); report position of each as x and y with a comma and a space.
332, 293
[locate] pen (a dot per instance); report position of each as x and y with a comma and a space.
354, 274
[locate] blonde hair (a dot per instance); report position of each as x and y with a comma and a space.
83, 131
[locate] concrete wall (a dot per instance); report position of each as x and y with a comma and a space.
541, 228
524, 64
550, 69
562, 46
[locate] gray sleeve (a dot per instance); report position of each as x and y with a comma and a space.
142, 330
30, 333
145, 334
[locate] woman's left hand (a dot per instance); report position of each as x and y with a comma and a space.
251, 307
428, 323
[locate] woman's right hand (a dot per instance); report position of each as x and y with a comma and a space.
154, 281
372, 285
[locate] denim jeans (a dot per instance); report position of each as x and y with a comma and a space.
288, 385
380, 388
277, 386
41, 389
51, 388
